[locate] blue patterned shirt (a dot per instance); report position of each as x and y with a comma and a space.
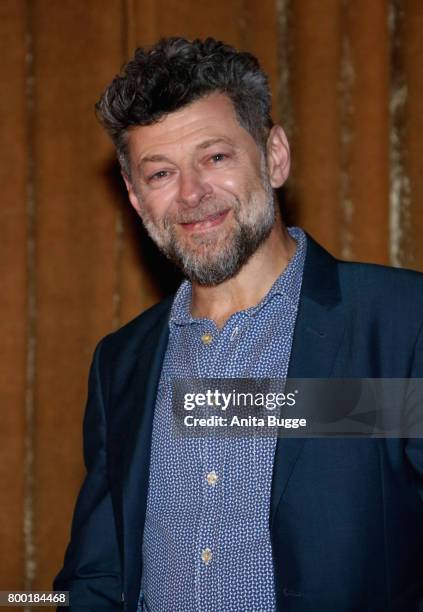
206, 544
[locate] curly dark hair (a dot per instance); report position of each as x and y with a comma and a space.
175, 72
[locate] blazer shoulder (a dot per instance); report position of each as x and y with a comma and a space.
377, 278
329, 280
129, 338
383, 289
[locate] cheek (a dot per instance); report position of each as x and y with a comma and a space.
230, 183
156, 206
229, 187
240, 182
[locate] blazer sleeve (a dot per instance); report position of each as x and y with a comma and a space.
91, 570
414, 446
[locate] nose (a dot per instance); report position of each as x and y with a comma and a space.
192, 187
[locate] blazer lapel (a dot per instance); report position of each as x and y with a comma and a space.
137, 454
317, 338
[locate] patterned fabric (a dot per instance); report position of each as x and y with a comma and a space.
206, 544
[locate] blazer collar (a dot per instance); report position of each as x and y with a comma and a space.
137, 456
319, 330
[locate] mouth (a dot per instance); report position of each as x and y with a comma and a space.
208, 222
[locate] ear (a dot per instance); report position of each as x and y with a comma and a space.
278, 156
133, 197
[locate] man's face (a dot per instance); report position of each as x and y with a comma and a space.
200, 184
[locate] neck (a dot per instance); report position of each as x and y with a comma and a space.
249, 286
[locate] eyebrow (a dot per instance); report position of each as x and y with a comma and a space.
213, 141
203, 145
153, 158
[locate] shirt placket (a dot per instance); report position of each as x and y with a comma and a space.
207, 582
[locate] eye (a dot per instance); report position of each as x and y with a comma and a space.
218, 157
157, 176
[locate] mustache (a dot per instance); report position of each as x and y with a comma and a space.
199, 214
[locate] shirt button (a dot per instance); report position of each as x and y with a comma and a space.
206, 555
206, 338
212, 478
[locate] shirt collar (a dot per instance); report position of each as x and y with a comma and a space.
288, 284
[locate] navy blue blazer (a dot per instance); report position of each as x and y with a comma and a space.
346, 516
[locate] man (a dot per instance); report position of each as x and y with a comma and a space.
167, 523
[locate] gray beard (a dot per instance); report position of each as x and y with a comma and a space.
209, 272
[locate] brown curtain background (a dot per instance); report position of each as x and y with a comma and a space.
347, 78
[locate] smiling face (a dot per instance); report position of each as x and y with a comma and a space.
200, 184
